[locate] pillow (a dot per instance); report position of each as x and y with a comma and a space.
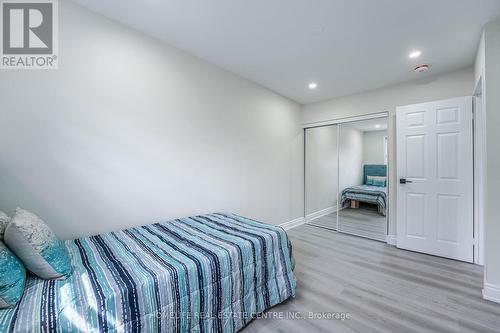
4, 220
379, 181
369, 180
37, 246
12, 278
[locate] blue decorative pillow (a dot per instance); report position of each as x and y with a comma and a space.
12, 278
37, 246
369, 180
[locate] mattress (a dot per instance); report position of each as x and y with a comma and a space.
209, 273
365, 193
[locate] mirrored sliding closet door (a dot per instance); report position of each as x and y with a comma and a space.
363, 154
346, 178
321, 174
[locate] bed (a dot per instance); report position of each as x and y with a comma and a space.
376, 195
209, 273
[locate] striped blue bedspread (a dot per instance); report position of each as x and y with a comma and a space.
365, 193
208, 273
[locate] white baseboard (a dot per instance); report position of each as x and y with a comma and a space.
491, 292
300, 220
320, 213
293, 223
391, 239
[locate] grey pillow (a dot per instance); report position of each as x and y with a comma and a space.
37, 246
4, 221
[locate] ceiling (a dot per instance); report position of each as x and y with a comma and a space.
345, 46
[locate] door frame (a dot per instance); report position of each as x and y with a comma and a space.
339, 122
479, 146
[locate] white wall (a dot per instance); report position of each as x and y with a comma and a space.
350, 157
437, 87
321, 169
129, 131
487, 67
432, 88
374, 147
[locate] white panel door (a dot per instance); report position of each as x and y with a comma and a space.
435, 158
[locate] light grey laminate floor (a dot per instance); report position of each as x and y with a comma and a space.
363, 221
383, 289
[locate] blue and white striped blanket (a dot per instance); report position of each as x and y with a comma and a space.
208, 273
365, 193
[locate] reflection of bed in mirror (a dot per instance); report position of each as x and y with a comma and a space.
372, 191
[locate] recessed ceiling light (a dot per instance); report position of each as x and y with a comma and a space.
415, 54
378, 126
313, 85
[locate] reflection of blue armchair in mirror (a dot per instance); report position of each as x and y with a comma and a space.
373, 190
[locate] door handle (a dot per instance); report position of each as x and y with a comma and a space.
404, 181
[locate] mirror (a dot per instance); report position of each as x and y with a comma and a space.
363, 178
321, 174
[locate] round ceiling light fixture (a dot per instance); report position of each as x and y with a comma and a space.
421, 68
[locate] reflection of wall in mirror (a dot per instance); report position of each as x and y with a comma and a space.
375, 147
321, 168
350, 157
